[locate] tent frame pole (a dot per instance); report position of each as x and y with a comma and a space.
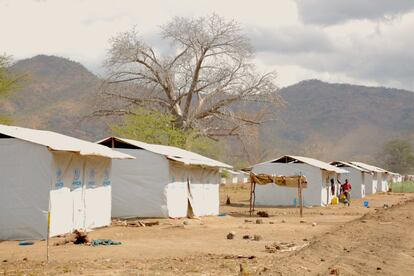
252, 193
300, 195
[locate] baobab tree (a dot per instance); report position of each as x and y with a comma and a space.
204, 80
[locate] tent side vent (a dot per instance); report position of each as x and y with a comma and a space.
286, 159
3, 136
118, 144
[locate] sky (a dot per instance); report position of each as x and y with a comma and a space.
367, 42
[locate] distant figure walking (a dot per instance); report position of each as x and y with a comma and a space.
346, 190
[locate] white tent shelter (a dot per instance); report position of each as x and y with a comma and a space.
358, 177
395, 177
42, 171
163, 181
380, 178
317, 173
235, 177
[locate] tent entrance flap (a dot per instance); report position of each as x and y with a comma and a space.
190, 209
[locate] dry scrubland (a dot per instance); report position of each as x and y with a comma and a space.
345, 241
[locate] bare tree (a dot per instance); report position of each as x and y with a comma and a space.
204, 81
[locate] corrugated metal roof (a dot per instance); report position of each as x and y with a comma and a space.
313, 162
369, 167
173, 153
348, 164
59, 142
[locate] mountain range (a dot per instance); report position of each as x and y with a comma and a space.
322, 120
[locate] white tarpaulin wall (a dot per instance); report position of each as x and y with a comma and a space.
357, 180
153, 186
202, 190
25, 172
138, 188
316, 194
81, 192
79, 189
370, 184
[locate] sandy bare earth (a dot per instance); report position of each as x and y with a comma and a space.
336, 240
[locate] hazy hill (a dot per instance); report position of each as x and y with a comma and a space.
55, 94
323, 120
340, 121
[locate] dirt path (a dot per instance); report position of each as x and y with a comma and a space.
381, 242
378, 243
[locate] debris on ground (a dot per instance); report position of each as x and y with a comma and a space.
257, 238
263, 214
77, 237
186, 222
135, 223
250, 257
26, 243
247, 220
283, 221
334, 271
259, 221
314, 224
81, 237
104, 242
231, 235
247, 237
284, 247
302, 221
271, 222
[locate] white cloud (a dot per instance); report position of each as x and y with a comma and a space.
340, 42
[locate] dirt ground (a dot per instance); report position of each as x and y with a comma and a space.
336, 240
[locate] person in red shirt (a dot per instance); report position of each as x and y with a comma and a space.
346, 189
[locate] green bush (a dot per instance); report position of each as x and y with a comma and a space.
403, 187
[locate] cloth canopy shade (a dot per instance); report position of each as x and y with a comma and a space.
287, 181
297, 181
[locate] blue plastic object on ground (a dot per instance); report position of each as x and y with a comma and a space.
221, 215
104, 242
366, 204
26, 243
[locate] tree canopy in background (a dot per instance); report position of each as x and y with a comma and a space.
8, 82
157, 128
398, 156
201, 84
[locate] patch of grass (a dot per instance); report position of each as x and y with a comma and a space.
403, 187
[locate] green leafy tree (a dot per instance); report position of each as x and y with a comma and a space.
152, 126
8, 82
398, 156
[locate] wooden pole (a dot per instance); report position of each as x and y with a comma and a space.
254, 194
48, 231
251, 194
300, 196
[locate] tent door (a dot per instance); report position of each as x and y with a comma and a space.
190, 210
78, 209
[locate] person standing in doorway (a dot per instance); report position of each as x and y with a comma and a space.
346, 189
332, 186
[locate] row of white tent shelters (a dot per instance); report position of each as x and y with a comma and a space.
44, 171
163, 181
361, 179
318, 175
379, 178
